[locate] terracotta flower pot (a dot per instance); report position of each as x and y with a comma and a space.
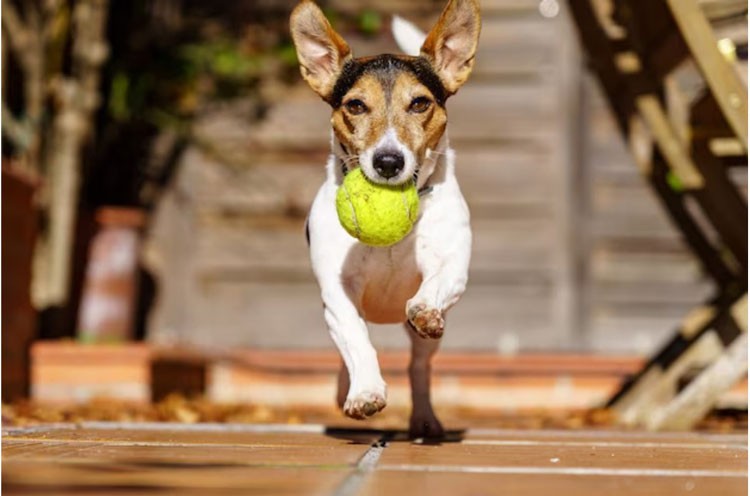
19, 319
109, 294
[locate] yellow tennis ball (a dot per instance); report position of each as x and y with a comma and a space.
376, 214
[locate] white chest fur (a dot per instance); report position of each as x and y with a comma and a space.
378, 282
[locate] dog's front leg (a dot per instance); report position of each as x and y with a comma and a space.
330, 247
367, 391
443, 250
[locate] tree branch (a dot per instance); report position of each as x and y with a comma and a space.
19, 35
77, 100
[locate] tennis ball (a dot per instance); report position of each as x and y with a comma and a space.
376, 214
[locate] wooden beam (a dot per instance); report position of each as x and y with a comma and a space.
725, 84
659, 385
601, 51
696, 238
668, 142
722, 203
695, 401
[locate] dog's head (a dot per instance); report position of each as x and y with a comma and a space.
388, 110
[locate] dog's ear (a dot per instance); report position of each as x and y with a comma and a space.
320, 50
451, 44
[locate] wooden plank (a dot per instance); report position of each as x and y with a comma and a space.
514, 245
656, 293
729, 91
719, 9
668, 142
627, 228
229, 314
497, 179
265, 188
644, 267
691, 228
692, 404
706, 118
568, 304
722, 203
225, 254
506, 318
235, 251
668, 54
638, 330
659, 383
521, 47
509, 112
701, 337
626, 199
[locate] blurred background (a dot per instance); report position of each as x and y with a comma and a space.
160, 157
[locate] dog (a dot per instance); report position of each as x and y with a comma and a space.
389, 118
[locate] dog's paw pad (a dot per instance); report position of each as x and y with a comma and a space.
427, 322
364, 405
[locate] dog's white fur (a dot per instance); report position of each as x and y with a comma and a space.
360, 283
417, 279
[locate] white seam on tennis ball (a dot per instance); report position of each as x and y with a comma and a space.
354, 212
406, 204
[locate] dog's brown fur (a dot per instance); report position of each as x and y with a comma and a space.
389, 102
388, 86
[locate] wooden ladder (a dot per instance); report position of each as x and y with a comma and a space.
682, 108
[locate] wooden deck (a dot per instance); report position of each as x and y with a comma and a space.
105, 458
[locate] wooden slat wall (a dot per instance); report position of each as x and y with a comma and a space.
639, 278
571, 251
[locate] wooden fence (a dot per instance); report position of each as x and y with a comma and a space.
572, 251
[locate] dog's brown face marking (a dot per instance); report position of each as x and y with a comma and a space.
388, 110
376, 94
418, 120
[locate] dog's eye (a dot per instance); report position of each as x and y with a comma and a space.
356, 107
419, 105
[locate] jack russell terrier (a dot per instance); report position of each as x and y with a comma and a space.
389, 118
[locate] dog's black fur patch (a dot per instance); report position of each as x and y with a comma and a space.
385, 66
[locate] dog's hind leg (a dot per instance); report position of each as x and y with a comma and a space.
423, 422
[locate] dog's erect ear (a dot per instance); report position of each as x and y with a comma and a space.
451, 44
320, 50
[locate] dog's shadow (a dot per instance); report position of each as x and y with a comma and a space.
385, 436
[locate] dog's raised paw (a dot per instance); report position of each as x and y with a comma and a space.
364, 405
427, 322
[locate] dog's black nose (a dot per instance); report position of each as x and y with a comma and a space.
388, 163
